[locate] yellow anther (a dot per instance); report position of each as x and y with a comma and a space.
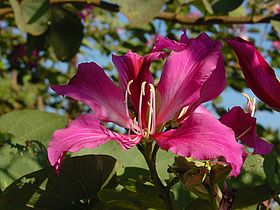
143, 88
128, 87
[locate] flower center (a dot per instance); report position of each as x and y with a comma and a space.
136, 125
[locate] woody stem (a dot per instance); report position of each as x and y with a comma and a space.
150, 158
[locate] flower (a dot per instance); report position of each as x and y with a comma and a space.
276, 45
244, 127
258, 73
166, 113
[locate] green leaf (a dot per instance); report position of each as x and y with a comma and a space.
75, 188
140, 13
15, 164
143, 197
66, 33
225, 5
238, 12
272, 170
252, 195
252, 172
276, 25
132, 157
31, 16
31, 125
207, 6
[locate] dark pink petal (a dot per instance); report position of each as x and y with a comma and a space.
84, 132
165, 43
203, 137
92, 86
244, 127
184, 38
212, 87
259, 75
184, 75
134, 67
130, 65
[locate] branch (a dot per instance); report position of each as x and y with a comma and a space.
190, 20
172, 17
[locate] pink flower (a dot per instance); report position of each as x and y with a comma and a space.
244, 127
276, 45
259, 75
193, 73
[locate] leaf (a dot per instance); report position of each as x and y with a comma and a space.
143, 197
76, 188
240, 11
132, 157
66, 33
252, 172
140, 13
225, 5
252, 195
207, 6
31, 125
198, 204
31, 16
272, 170
15, 164
276, 25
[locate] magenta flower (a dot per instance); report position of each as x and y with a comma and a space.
193, 73
259, 75
244, 127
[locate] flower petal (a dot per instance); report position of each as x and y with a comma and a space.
165, 43
131, 66
92, 86
184, 74
84, 132
203, 137
259, 75
212, 87
245, 126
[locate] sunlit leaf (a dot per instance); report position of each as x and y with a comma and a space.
31, 16
140, 13
31, 125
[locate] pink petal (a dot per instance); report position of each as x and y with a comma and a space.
165, 43
212, 87
184, 37
203, 137
245, 126
84, 132
259, 75
184, 74
134, 67
92, 86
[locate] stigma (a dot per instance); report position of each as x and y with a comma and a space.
136, 124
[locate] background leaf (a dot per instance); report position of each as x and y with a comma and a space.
30, 17
31, 125
140, 13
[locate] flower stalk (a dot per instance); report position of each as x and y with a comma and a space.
150, 157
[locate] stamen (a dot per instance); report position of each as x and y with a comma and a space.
142, 93
246, 131
152, 111
183, 111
